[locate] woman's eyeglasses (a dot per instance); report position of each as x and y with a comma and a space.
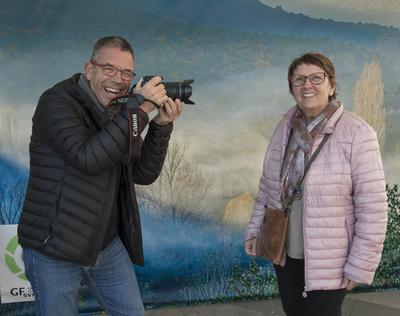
315, 78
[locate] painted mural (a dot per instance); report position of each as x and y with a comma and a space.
237, 51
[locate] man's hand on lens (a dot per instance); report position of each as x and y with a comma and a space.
169, 112
154, 92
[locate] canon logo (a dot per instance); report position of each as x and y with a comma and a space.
134, 125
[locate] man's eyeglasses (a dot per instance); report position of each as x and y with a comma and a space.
315, 78
111, 71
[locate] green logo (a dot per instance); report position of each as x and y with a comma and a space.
10, 259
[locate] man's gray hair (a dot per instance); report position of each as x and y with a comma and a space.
111, 41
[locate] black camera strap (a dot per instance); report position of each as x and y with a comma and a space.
132, 102
135, 129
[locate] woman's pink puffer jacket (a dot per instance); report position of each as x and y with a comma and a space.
345, 208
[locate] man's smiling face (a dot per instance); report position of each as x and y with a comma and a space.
107, 87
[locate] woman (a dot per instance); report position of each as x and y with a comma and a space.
337, 222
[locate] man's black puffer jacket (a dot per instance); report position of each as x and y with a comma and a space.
75, 166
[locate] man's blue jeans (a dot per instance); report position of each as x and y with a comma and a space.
55, 283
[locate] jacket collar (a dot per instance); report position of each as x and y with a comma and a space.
330, 125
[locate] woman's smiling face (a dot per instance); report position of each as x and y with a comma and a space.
312, 98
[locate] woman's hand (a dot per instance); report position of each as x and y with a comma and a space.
250, 246
348, 284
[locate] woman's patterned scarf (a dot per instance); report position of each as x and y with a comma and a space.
298, 151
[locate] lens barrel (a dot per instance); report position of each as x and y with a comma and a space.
181, 90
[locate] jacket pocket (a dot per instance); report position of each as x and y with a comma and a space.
53, 218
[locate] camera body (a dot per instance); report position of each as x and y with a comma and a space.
176, 90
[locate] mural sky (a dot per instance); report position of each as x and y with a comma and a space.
238, 52
383, 12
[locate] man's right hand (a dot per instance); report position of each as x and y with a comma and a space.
152, 91
250, 246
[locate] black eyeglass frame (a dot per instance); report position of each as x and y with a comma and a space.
125, 74
310, 77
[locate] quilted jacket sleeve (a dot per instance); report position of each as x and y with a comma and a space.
370, 204
267, 194
58, 122
153, 154
257, 216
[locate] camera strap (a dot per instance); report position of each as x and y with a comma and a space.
135, 129
132, 103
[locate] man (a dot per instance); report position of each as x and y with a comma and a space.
80, 218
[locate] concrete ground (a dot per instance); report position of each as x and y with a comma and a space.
358, 304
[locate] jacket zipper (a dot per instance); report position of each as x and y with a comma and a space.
304, 293
113, 176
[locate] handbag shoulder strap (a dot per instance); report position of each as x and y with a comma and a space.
314, 155
306, 167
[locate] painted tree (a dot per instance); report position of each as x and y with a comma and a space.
368, 99
182, 188
8, 131
11, 200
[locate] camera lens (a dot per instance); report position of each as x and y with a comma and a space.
180, 90
176, 90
